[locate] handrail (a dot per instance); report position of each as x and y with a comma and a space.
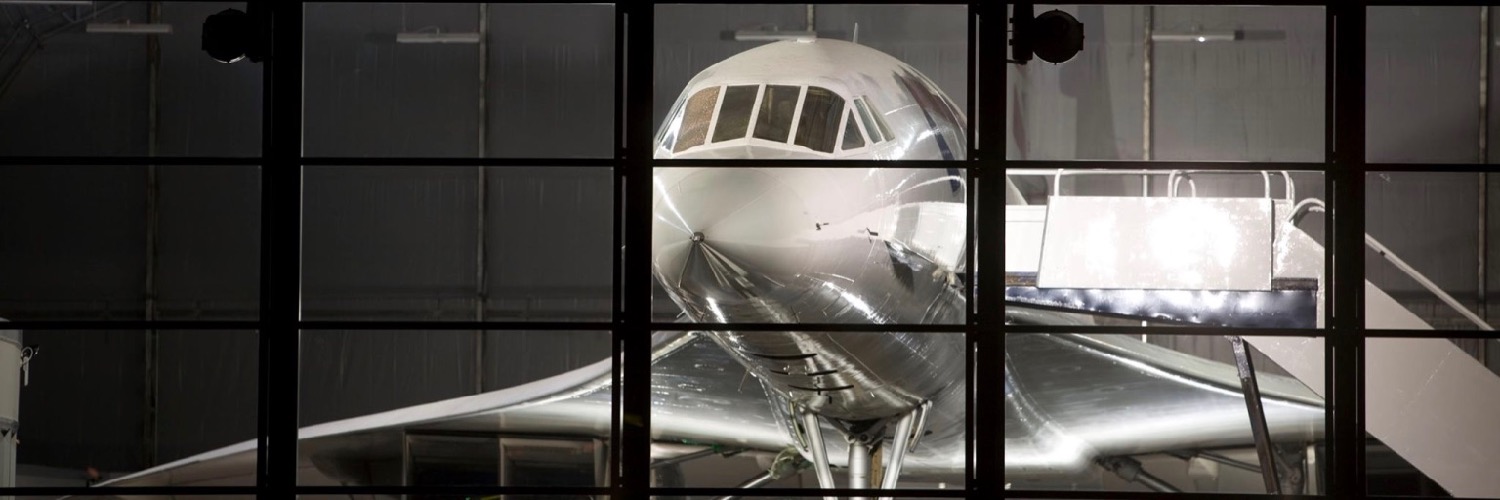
1290, 185
1314, 204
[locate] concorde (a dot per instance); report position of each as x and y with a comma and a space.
879, 247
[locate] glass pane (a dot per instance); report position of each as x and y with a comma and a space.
889, 386
700, 114
410, 79
85, 83
852, 138
776, 111
734, 114
1422, 85
819, 124
1423, 399
502, 408
876, 133
815, 245
1164, 413
912, 71
129, 242
457, 243
1234, 249
98, 407
1185, 83
1427, 237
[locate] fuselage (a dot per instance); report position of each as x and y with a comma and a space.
821, 245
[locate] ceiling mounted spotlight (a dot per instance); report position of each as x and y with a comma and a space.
1055, 36
232, 35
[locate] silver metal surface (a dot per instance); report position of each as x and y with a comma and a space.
821, 245
1072, 398
1272, 309
859, 465
1157, 243
819, 451
1256, 411
902, 440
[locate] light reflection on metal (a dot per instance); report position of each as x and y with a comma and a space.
1157, 243
822, 245
1063, 403
1269, 309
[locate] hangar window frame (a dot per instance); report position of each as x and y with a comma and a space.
279, 322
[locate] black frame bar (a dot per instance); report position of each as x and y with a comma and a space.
279, 323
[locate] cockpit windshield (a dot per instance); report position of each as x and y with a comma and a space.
696, 117
819, 125
776, 111
734, 115
806, 116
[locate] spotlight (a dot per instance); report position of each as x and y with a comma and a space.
1055, 36
232, 35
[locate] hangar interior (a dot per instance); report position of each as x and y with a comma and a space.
450, 242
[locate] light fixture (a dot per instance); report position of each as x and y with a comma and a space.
771, 36
1202, 37
435, 37
1054, 37
129, 28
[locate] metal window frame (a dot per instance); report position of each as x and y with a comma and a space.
279, 323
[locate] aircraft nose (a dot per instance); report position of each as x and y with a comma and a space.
724, 234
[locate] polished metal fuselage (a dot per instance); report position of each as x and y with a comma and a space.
873, 247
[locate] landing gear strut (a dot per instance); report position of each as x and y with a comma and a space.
865, 452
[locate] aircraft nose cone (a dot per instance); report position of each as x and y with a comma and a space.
726, 233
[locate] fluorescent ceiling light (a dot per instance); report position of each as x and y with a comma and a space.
129, 28
437, 37
771, 36
1204, 37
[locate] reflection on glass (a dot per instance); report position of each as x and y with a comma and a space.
1428, 233
1221, 248
1113, 412
879, 246
457, 243
500, 408
1423, 399
85, 398
731, 408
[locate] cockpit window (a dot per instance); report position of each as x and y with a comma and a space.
776, 111
695, 119
852, 139
885, 130
734, 115
819, 126
864, 116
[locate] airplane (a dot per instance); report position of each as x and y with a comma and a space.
882, 247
